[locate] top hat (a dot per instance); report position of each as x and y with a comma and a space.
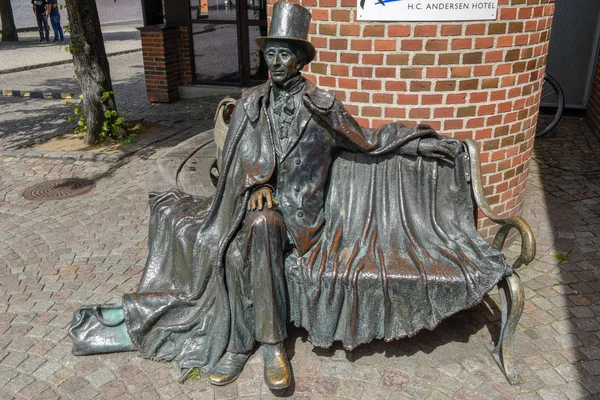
290, 22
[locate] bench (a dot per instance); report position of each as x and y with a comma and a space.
325, 293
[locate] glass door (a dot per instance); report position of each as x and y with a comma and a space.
223, 33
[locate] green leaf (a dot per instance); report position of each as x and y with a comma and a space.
113, 113
80, 123
119, 120
107, 113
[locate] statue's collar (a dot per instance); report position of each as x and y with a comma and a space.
292, 86
257, 95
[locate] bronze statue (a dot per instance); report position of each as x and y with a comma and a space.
303, 228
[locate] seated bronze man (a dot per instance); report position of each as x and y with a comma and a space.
217, 279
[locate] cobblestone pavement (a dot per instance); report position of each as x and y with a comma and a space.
24, 121
58, 255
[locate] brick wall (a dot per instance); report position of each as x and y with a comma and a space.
593, 110
478, 80
167, 61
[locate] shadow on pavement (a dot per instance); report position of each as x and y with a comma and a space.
562, 313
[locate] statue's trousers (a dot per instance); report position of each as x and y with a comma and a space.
256, 281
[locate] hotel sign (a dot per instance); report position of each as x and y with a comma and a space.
426, 10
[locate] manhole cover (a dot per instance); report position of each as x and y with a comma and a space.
58, 189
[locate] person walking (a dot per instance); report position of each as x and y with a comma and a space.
55, 20
40, 8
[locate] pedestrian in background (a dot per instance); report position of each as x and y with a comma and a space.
40, 9
55, 20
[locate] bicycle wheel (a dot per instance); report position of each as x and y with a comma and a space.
552, 105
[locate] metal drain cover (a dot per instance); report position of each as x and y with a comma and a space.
58, 189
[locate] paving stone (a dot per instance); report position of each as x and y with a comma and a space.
33, 389
13, 359
350, 389
593, 367
552, 394
575, 391
46, 370
100, 377
6, 375
18, 383
337, 368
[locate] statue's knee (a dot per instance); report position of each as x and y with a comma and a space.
263, 218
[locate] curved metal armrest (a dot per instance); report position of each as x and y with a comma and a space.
527, 240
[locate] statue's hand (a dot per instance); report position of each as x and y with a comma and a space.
261, 196
442, 147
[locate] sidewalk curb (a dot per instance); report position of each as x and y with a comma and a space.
52, 63
38, 95
90, 155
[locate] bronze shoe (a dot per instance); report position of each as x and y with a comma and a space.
278, 374
228, 368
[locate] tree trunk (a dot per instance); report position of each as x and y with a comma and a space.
9, 31
91, 65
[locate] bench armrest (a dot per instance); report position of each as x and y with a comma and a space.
528, 246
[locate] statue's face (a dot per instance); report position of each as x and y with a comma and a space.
281, 60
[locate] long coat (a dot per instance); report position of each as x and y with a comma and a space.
180, 311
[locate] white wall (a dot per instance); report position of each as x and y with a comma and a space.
109, 11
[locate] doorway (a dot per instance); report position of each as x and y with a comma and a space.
224, 48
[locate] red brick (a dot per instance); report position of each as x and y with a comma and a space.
385, 98
484, 43
349, 58
419, 113
432, 72
395, 112
371, 84
431, 99
328, 29
451, 30
411, 73
385, 45
340, 15
362, 45
359, 97
445, 112
384, 72
374, 30
349, 30
459, 98
425, 30
339, 70
399, 86
420, 86
364, 72
338, 44
348, 83
370, 111
475, 29
411, 45
376, 59
461, 72
436, 45
460, 44
408, 99
328, 56
398, 31
319, 15
327, 81
397, 59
